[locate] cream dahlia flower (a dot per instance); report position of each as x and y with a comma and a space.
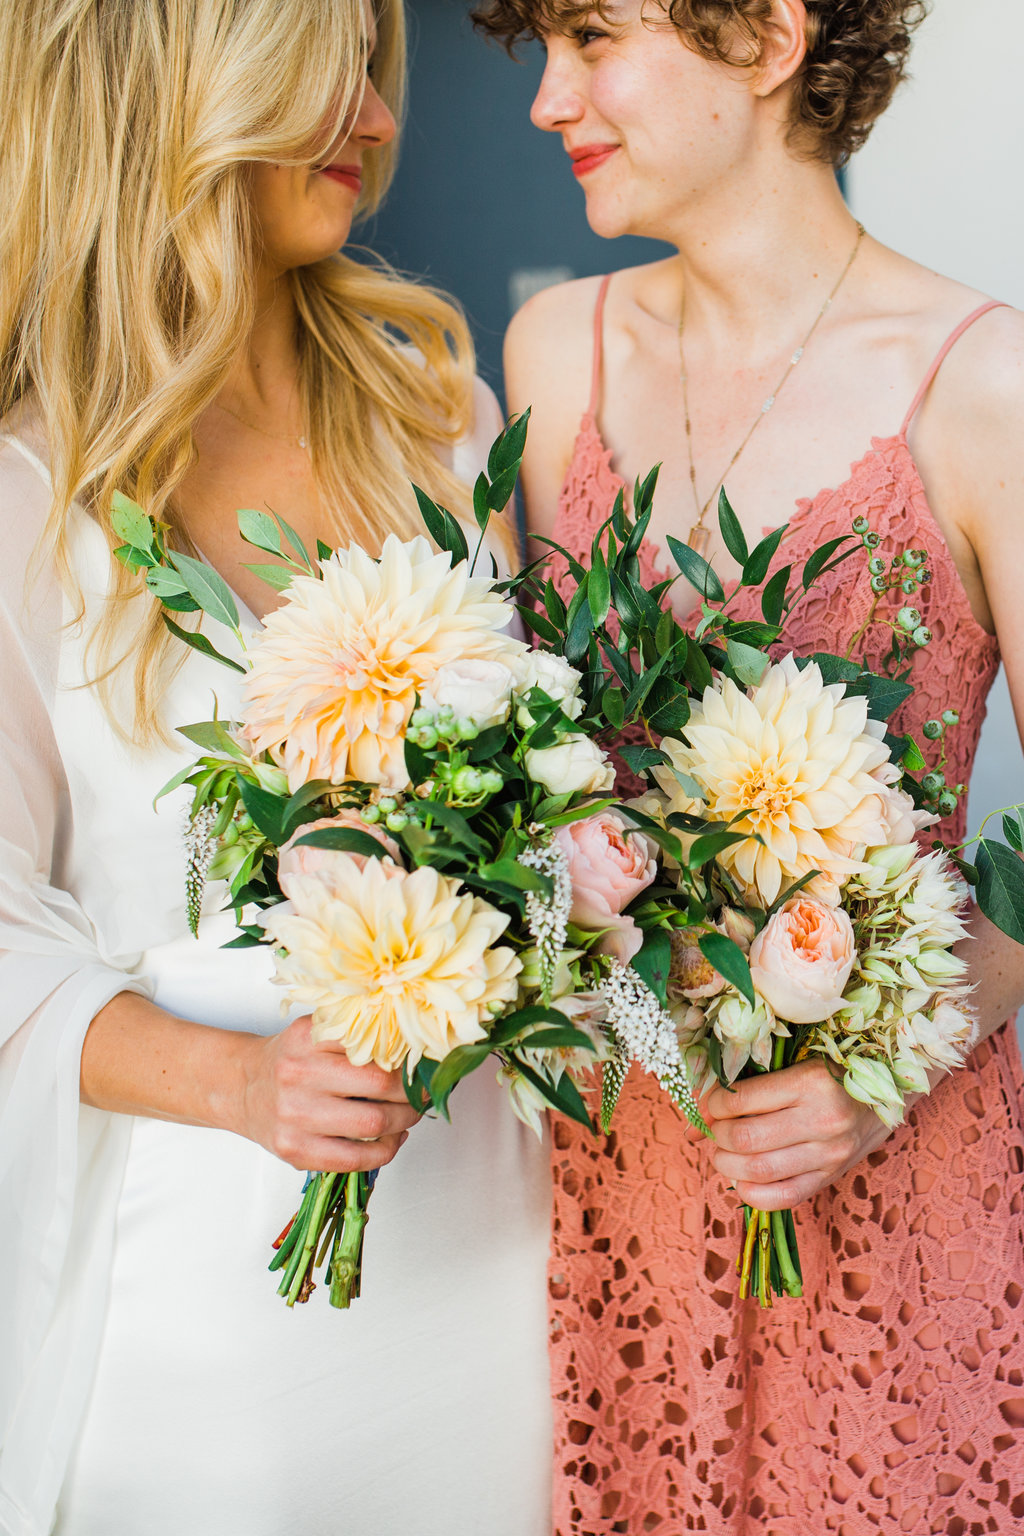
803, 760
336, 671
393, 964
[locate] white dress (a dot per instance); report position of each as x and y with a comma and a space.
152, 1383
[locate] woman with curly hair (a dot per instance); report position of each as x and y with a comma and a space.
778, 346
178, 322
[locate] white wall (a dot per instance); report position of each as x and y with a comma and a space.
942, 179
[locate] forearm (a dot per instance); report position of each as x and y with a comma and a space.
996, 965
138, 1059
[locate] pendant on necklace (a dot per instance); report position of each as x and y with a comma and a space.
303, 443
699, 540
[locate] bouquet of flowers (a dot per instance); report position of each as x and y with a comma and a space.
411, 810
416, 812
795, 912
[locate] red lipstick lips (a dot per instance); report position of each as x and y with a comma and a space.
350, 176
587, 157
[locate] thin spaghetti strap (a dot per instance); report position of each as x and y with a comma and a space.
595, 369
944, 350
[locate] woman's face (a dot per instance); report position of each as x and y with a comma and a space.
304, 213
650, 126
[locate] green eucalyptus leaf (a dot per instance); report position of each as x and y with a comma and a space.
636, 536
613, 706
277, 576
711, 845
540, 626
913, 759
259, 530
1000, 888
454, 823
653, 963
556, 1039
640, 760
563, 1095
250, 936
165, 583
298, 547
209, 589
729, 961
266, 810
1013, 828
599, 590
298, 805
773, 598
755, 568
732, 533
815, 565
509, 446
450, 1072
626, 605
510, 872
749, 665
199, 642
131, 523
343, 840
481, 510
502, 487
697, 571
212, 736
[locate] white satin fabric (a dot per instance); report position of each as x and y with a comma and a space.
151, 1381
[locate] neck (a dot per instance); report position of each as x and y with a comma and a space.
264, 377
756, 257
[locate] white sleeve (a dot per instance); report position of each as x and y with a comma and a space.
60, 1163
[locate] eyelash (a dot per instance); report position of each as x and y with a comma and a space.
587, 35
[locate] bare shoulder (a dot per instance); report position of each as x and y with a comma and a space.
974, 416
548, 357
549, 346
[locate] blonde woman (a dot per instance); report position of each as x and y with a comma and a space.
177, 176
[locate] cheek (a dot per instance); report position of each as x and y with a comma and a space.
301, 216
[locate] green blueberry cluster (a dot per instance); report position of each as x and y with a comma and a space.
445, 728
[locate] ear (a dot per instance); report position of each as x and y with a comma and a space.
785, 46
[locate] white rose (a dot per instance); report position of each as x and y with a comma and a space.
476, 690
576, 765
553, 676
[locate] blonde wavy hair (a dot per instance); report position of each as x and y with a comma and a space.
128, 256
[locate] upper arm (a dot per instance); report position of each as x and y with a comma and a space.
548, 350
982, 412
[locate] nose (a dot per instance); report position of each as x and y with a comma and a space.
557, 102
374, 124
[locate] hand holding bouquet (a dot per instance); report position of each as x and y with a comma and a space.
796, 915
393, 811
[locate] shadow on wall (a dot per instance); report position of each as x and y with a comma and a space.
484, 204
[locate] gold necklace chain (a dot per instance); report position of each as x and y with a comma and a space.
699, 537
277, 437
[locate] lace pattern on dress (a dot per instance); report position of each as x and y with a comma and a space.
890, 1399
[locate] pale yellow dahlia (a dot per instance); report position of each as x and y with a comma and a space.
807, 764
392, 963
336, 671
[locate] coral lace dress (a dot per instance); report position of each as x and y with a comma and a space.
891, 1398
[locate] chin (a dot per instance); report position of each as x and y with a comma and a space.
609, 223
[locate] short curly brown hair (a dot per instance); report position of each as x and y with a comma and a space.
857, 53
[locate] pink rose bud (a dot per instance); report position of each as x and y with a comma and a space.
801, 960
609, 865
326, 863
